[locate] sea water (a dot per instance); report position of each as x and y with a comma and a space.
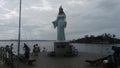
103, 49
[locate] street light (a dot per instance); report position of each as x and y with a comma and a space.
19, 31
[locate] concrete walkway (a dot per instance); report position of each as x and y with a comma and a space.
43, 61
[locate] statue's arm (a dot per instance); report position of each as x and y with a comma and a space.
54, 24
65, 24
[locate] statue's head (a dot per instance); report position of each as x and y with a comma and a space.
61, 11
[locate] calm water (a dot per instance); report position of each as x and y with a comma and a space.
91, 48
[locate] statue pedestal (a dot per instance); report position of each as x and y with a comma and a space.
61, 48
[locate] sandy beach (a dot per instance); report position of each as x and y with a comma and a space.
44, 61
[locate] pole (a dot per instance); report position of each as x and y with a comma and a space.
19, 31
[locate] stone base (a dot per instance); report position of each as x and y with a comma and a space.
61, 48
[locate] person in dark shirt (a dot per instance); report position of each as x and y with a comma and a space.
27, 51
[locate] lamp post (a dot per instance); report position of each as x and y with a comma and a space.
19, 31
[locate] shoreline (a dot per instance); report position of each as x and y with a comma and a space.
95, 43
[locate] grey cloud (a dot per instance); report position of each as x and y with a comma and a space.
85, 17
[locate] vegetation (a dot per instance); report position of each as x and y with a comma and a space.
105, 38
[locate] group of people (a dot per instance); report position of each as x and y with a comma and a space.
36, 49
8, 54
35, 52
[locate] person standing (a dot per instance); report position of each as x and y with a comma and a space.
38, 49
44, 49
34, 47
7, 55
11, 55
27, 51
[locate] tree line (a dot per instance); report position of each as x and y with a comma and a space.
105, 38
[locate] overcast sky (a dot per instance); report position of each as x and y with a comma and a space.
84, 17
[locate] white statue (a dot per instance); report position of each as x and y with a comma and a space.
60, 23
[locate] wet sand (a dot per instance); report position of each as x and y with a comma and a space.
43, 61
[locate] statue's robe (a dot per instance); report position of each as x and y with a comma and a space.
60, 23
